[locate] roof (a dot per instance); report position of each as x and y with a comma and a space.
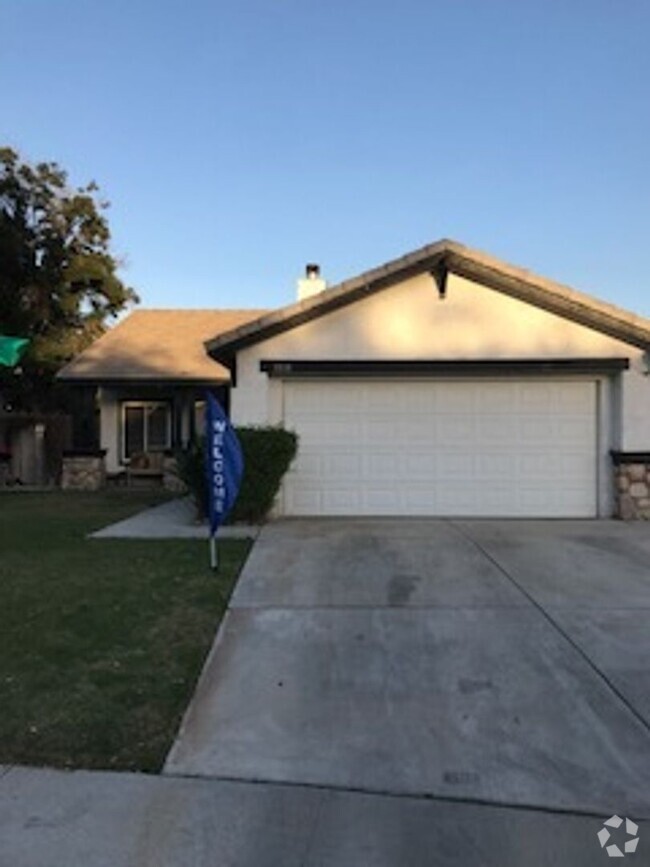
439, 259
158, 345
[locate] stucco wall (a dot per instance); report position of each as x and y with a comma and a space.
410, 321
635, 406
109, 428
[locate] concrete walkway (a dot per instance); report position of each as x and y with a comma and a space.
175, 519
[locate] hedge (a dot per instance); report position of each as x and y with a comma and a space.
268, 452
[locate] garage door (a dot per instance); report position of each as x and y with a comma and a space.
480, 448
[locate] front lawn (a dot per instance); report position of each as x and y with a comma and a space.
101, 641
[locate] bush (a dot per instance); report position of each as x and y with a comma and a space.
268, 452
190, 469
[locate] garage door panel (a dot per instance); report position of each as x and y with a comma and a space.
458, 498
491, 430
420, 463
377, 429
574, 398
497, 498
493, 465
455, 400
382, 465
492, 398
456, 429
536, 466
310, 465
304, 500
341, 465
378, 500
540, 399
418, 433
573, 428
455, 464
341, 500
497, 448
573, 471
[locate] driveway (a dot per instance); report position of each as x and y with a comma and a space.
501, 662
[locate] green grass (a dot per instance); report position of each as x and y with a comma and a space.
101, 641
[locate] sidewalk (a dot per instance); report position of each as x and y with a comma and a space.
97, 819
175, 519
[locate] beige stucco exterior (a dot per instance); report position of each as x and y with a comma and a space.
409, 321
109, 428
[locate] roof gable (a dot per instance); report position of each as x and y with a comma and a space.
439, 259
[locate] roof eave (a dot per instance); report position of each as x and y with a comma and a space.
144, 380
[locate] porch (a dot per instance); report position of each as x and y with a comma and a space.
143, 425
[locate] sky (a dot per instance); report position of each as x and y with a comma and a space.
238, 140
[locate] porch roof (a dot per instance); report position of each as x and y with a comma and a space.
158, 346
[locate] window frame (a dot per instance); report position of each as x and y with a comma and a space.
145, 405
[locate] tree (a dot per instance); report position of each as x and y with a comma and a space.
58, 277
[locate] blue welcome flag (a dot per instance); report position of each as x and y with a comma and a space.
224, 464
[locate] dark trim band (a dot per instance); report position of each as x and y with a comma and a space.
619, 458
292, 369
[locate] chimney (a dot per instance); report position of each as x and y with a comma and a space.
311, 284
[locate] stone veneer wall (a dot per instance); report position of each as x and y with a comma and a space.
171, 480
632, 485
83, 472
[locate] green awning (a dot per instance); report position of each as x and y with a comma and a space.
11, 348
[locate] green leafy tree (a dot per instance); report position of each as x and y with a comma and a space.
58, 278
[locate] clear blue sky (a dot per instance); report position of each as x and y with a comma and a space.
239, 139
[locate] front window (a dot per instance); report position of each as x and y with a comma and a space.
146, 427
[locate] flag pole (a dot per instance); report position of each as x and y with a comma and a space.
214, 559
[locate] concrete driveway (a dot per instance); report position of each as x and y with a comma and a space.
502, 662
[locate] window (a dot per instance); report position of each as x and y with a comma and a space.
146, 427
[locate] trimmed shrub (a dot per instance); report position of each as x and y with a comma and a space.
268, 452
190, 469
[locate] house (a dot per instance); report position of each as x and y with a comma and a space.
147, 377
443, 383
450, 383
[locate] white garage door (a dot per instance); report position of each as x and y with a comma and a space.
481, 448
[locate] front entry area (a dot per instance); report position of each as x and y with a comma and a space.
473, 448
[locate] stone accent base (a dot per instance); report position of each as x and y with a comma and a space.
83, 472
632, 472
171, 481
